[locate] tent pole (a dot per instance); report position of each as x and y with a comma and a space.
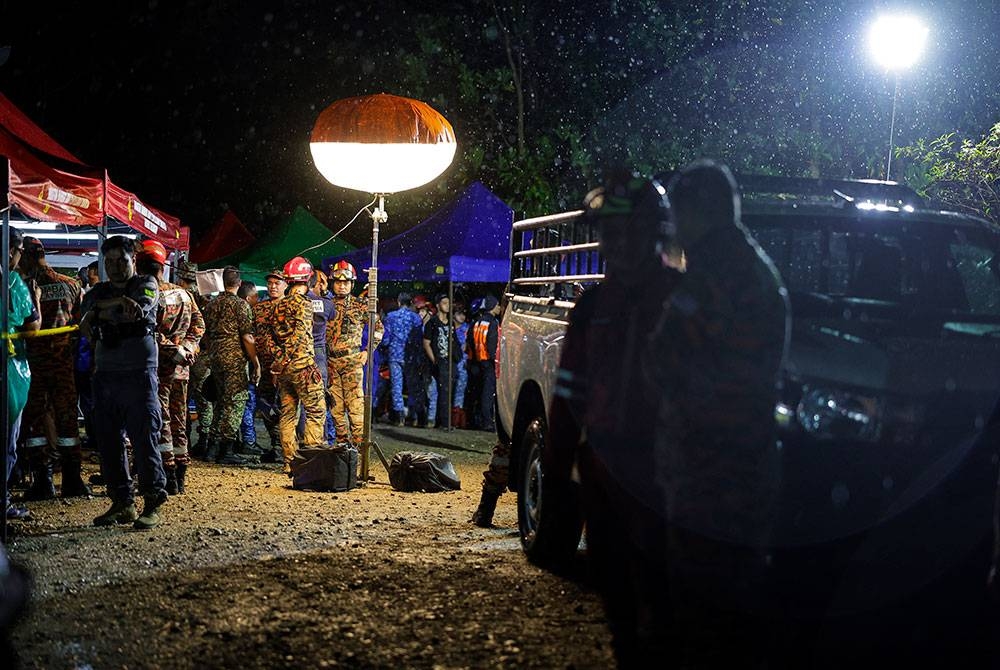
451, 333
4, 327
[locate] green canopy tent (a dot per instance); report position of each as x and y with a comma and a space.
291, 238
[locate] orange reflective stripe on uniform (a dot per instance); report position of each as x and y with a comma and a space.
479, 332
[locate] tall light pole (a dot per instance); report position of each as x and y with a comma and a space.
380, 144
896, 43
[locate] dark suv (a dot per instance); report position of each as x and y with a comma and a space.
893, 373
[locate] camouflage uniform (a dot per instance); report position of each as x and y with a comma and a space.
51, 357
228, 319
180, 326
267, 394
199, 373
400, 325
346, 374
296, 376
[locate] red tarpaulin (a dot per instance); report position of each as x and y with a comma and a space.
226, 237
14, 121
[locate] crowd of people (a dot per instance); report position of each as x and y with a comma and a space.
294, 359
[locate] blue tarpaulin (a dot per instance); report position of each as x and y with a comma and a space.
467, 240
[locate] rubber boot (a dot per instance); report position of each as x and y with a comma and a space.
171, 472
120, 512
200, 448
228, 456
250, 449
483, 516
151, 515
41, 487
72, 483
211, 451
182, 469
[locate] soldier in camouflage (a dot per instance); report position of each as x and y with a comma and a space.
53, 385
179, 328
230, 341
187, 278
714, 361
294, 366
267, 394
346, 359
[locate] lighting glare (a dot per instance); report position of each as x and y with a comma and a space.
76, 236
381, 168
35, 225
896, 41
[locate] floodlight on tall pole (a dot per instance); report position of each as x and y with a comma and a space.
896, 43
380, 144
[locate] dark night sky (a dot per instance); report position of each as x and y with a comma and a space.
200, 105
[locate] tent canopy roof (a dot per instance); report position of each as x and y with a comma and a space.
467, 240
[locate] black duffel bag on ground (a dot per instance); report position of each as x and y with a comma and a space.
325, 469
422, 471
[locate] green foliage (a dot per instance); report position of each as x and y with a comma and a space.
966, 176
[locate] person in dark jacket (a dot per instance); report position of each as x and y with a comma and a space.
482, 346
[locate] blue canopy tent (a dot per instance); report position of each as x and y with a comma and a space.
467, 240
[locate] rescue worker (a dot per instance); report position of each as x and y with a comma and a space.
119, 315
442, 349
346, 358
599, 417
401, 325
713, 360
248, 427
324, 312
231, 344
53, 383
483, 354
179, 328
296, 376
418, 368
267, 394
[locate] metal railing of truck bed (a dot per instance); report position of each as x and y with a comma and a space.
549, 254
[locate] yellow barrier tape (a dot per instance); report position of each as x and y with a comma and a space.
39, 333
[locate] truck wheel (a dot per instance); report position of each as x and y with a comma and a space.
549, 515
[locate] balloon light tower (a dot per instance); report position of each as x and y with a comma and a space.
380, 144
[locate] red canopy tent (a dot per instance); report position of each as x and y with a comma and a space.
48, 183
225, 238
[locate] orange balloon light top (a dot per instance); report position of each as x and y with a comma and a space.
382, 119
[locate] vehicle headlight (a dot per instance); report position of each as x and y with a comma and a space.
833, 414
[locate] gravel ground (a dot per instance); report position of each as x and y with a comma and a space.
247, 572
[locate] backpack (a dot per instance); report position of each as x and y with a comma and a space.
422, 471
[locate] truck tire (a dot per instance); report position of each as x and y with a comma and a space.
549, 515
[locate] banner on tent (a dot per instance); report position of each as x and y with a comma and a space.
48, 194
151, 222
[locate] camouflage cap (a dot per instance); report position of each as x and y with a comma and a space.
186, 271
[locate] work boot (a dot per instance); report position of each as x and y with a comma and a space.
250, 449
120, 512
72, 483
182, 469
212, 450
171, 472
199, 448
228, 456
41, 487
271, 456
151, 516
483, 516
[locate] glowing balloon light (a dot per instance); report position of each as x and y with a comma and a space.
897, 41
381, 143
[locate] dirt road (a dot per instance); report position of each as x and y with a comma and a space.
247, 572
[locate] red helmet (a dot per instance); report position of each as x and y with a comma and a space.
298, 270
419, 301
343, 270
153, 250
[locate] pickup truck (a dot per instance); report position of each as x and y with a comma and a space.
886, 418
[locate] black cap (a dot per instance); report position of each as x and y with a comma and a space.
33, 246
